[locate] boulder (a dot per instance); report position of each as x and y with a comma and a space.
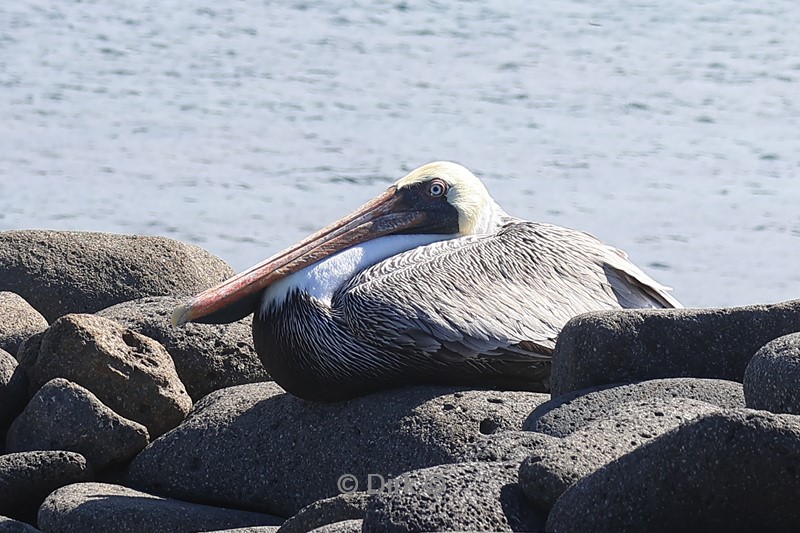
26, 478
733, 470
772, 379
560, 463
66, 416
207, 357
18, 321
635, 344
567, 413
130, 373
458, 497
9, 525
508, 446
62, 272
345, 526
344, 507
102, 507
13, 388
255, 447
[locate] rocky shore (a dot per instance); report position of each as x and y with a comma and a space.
111, 420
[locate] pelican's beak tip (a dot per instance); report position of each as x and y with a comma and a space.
181, 315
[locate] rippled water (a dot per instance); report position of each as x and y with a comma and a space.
668, 129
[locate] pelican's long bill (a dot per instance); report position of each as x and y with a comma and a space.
392, 212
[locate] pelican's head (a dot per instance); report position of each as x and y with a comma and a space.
476, 209
438, 199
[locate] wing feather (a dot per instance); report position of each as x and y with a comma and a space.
504, 296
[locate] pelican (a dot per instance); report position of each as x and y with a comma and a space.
430, 282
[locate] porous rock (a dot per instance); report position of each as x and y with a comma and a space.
345, 526
62, 272
457, 497
772, 379
9, 525
507, 446
66, 416
13, 388
207, 357
102, 507
255, 447
340, 508
553, 468
637, 344
18, 321
733, 470
567, 413
26, 478
130, 373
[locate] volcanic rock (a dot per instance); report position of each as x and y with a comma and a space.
26, 478
62, 272
18, 321
458, 497
344, 507
101, 507
13, 388
66, 416
9, 525
207, 356
635, 344
130, 373
255, 447
562, 415
552, 469
734, 471
772, 379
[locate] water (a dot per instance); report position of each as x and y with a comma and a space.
668, 129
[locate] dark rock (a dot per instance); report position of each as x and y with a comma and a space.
562, 415
207, 356
100, 507
130, 373
254, 447
62, 272
345, 526
27, 478
772, 379
635, 345
508, 446
66, 416
735, 470
13, 389
8, 525
251, 529
18, 321
553, 468
346, 506
466, 496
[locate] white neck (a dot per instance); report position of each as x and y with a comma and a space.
322, 279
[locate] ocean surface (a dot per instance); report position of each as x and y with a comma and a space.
668, 129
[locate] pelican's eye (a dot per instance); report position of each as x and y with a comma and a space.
437, 188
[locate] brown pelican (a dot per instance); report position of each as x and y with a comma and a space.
430, 282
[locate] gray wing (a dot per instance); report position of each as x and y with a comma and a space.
504, 296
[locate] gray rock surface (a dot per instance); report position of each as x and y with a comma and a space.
255, 447
130, 373
346, 506
207, 357
564, 414
18, 321
508, 446
553, 468
457, 497
27, 478
13, 388
101, 507
9, 525
66, 416
345, 526
634, 345
62, 272
772, 379
735, 470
